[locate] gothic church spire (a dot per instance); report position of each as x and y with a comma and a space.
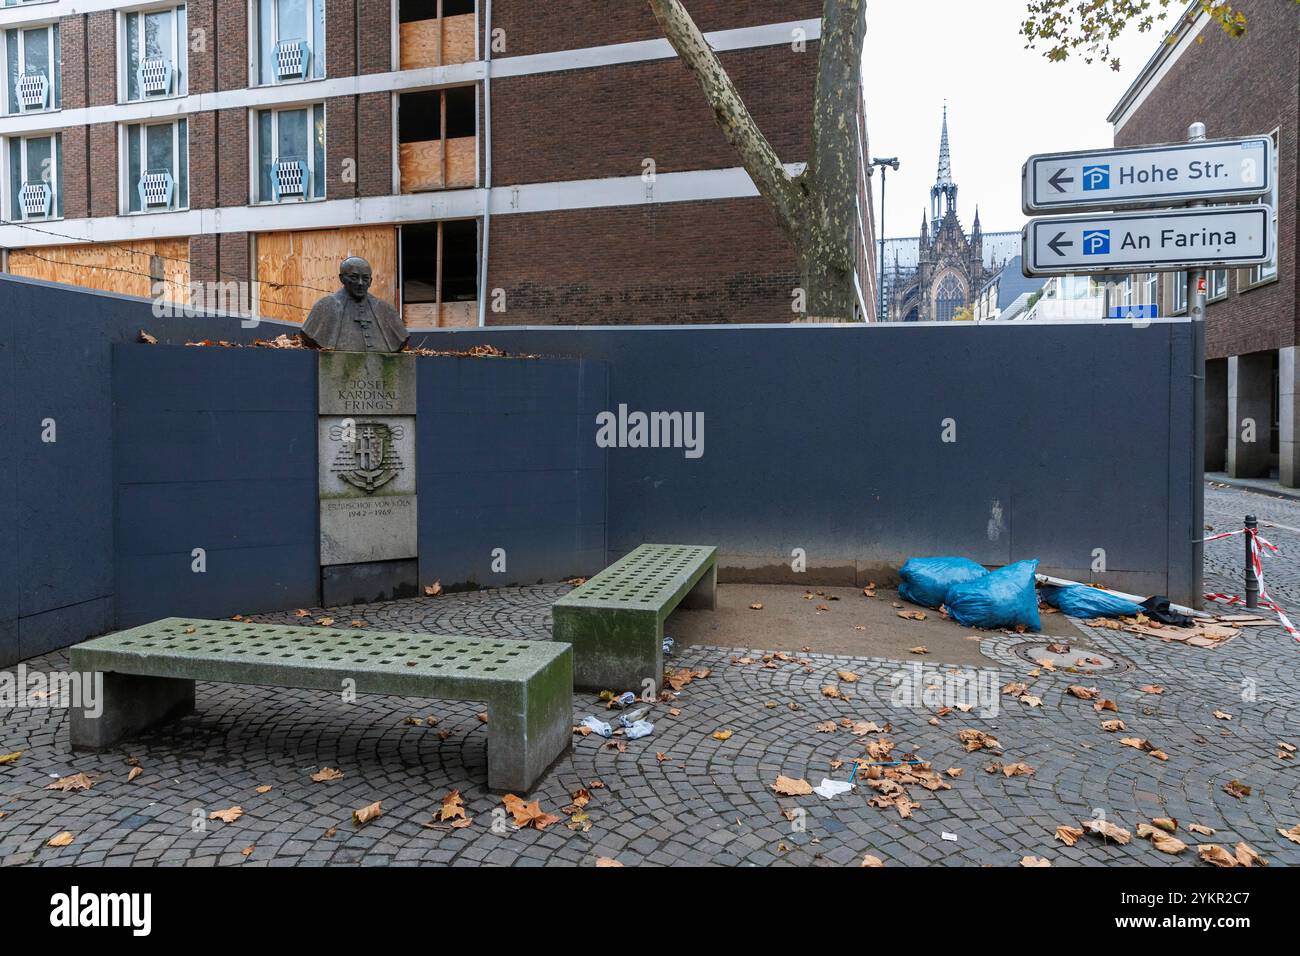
945, 154
943, 194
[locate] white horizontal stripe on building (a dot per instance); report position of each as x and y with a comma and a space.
640, 51
282, 94
396, 81
696, 186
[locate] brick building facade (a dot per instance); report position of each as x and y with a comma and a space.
498, 162
1236, 87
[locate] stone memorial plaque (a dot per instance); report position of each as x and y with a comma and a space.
367, 488
366, 443
366, 383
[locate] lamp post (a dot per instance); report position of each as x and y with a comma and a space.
885, 165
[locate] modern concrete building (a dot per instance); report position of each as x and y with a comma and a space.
502, 162
1236, 87
1006, 294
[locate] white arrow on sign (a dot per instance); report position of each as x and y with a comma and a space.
1148, 175
1165, 241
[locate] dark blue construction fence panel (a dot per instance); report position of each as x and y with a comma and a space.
511, 485
215, 449
216, 478
56, 482
859, 447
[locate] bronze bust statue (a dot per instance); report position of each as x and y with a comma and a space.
353, 320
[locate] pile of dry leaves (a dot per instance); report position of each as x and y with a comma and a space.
296, 341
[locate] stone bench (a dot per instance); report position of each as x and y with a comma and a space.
149, 674
615, 621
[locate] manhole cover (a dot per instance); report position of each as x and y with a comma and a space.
1072, 658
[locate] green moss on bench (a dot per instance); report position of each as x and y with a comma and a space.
149, 675
615, 621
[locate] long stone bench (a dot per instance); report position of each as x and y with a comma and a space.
615, 621
149, 674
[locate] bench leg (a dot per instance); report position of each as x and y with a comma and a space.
530, 726
127, 705
704, 596
612, 649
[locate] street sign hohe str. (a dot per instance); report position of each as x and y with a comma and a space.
1167, 240
1146, 176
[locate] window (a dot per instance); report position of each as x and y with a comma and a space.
948, 300
35, 177
1076, 287
1126, 291
157, 166
439, 272
155, 60
290, 40
291, 154
1151, 295
32, 76
411, 11
1218, 284
436, 132
1267, 271
1178, 291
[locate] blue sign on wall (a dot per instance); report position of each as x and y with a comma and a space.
1149, 311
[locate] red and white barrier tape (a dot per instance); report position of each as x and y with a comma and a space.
1257, 564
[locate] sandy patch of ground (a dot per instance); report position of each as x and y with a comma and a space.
789, 622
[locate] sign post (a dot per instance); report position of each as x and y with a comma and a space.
1196, 311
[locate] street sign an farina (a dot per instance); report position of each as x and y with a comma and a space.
1167, 240
1146, 176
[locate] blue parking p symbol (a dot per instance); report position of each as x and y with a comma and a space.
1096, 177
1096, 242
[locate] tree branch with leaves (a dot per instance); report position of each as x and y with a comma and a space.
1088, 28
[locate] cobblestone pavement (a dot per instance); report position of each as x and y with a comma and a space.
707, 800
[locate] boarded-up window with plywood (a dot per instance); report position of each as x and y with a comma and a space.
149, 268
440, 273
295, 269
436, 33
437, 142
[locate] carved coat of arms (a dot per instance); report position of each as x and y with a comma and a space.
367, 456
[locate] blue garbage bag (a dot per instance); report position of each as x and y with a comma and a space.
926, 581
1002, 598
1078, 600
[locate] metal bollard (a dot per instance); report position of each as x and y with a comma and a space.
1252, 582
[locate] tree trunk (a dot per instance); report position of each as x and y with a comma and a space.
817, 210
827, 256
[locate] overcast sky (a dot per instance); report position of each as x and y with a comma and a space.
1004, 102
